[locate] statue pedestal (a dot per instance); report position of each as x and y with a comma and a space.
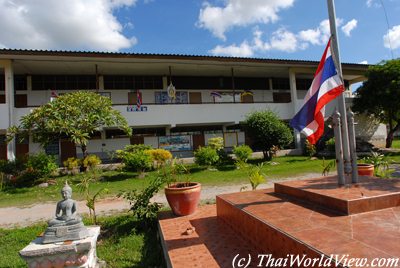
78, 253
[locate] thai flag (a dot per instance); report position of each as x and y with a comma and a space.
326, 86
138, 99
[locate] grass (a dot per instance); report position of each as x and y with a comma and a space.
396, 143
116, 181
123, 242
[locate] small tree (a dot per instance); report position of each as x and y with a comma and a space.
267, 130
74, 116
379, 96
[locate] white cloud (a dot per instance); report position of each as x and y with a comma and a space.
280, 40
348, 27
218, 20
363, 62
392, 38
373, 3
73, 24
317, 36
243, 50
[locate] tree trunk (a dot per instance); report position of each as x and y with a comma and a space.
84, 152
389, 139
390, 136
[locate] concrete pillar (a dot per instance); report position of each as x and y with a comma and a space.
9, 84
293, 97
101, 82
167, 130
293, 90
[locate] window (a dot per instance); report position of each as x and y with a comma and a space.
19, 82
161, 97
132, 82
115, 134
280, 83
303, 84
63, 82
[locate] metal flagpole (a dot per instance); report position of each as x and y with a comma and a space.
341, 101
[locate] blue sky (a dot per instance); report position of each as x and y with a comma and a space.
283, 29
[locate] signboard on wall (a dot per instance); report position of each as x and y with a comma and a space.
175, 143
136, 109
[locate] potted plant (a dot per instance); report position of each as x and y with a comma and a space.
375, 164
183, 197
365, 169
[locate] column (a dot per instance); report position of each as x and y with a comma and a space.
9, 83
293, 97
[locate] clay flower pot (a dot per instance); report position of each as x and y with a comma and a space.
183, 198
365, 169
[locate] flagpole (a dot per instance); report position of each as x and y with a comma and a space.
341, 101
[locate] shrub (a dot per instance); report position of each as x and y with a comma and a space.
206, 156
91, 161
12, 167
42, 164
309, 149
160, 156
242, 153
330, 145
266, 130
255, 176
71, 163
138, 161
216, 143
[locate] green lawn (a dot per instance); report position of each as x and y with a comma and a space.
122, 243
116, 181
396, 143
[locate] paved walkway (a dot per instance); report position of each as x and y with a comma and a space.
17, 217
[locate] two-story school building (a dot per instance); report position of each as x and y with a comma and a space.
185, 99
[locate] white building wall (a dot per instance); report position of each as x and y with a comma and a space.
4, 115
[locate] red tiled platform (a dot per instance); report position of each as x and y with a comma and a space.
265, 222
368, 195
212, 244
283, 225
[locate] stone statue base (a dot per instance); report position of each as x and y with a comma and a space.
64, 233
79, 253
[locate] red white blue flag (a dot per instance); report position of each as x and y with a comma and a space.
326, 86
138, 99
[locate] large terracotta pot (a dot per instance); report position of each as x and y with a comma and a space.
183, 199
365, 170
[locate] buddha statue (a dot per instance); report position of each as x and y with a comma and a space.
66, 209
67, 225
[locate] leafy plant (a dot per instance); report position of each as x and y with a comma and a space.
71, 163
327, 166
266, 130
42, 164
242, 153
91, 161
216, 143
381, 165
84, 187
160, 156
256, 177
330, 145
310, 149
141, 206
136, 158
206, 156
74, 116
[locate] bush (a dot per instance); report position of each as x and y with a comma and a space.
242, 153
160, 156
206, 156
309, 149
216, 143
267, 130
138, 161
135, 148
42, 164
91, 161
71, 163
330, 145
12, 167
